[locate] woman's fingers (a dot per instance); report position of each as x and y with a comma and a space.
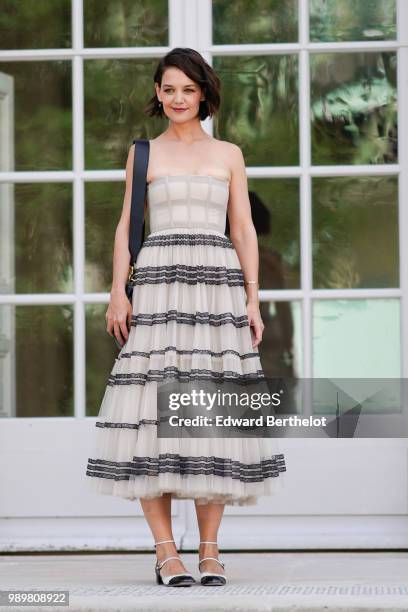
257, 335
108, 323
129, 315
257, 328
117, 333
118, 325
124, 328
109, 327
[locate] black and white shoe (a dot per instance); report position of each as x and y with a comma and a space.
209, 578
175, 580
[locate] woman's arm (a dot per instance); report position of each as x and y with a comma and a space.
119, 311
244, 238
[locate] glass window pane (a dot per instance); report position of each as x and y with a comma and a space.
354, 108
281, 347
259, 110
331, 20
103, 207
126, 23
36, 369
35, 24
356, 338
36, 238
355, 232
116, 92
275, 213
259, 21
42, 127
101, 352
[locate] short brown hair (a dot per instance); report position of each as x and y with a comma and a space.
198, 70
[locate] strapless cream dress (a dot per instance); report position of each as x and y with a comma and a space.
189, 322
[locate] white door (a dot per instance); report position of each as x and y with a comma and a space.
311, 104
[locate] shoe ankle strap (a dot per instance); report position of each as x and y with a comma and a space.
161, 563
207, 542
214, 559
163, 542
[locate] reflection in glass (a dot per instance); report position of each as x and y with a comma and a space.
281, 347
36, 238
275, 214
355, 232
36, 364
125, 23
356, 338
101, 352
331, 20
42, 114
116, 92
104, 202
35, 25
259, 21
354, 108
259, 110
103, 207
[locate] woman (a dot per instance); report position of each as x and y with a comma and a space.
190, 316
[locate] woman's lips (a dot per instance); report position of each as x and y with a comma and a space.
179, 110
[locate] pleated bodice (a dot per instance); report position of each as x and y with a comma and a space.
188, 201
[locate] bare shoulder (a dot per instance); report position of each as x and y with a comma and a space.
230, 148
232, 156
233, 153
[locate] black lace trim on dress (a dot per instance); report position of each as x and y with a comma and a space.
187, 239
214, 354
141, 378
179, 464
204, 318
211, 275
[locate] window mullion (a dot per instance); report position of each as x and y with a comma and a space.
305, 206
79, 208
402, 85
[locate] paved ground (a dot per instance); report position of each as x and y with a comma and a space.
310, 582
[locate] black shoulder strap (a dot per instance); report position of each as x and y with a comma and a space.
137, 224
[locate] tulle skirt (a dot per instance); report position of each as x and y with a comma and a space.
189, 323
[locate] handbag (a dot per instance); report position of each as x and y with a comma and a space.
137, 222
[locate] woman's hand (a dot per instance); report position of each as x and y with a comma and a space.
118, 316
255, 322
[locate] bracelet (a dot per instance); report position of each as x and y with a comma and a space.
251, 282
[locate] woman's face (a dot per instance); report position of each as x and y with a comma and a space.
179, 91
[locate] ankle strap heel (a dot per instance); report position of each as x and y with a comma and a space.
175, 580
209, 578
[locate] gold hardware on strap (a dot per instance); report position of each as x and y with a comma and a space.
131, 272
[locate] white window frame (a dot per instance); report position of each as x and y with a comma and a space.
195, 30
